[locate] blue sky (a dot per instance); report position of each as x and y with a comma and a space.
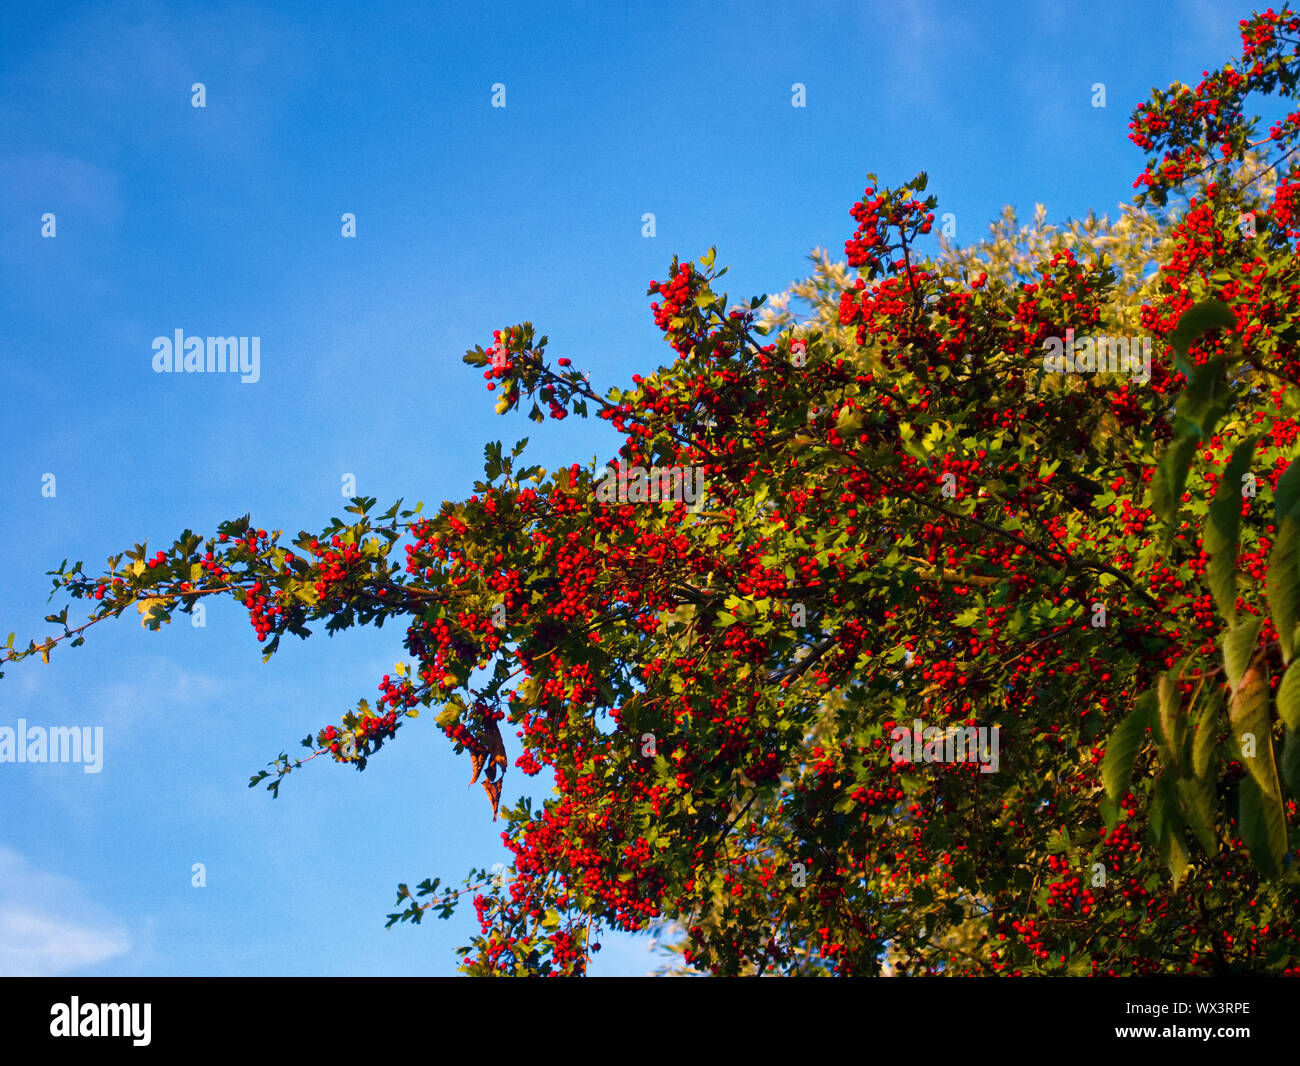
226, 220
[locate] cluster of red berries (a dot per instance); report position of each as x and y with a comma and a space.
250, 540
677, 294
528, 764
213, 566
1032, 937
378, 726
1068, 894
565, 952
460, 733
262, 616
1286, 208
875, 214
765, 769
867, 242
101, 589
334, 563
397, 693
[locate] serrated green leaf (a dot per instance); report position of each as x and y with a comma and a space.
1248, 712
1170, 477
1239, 647
1198, 807
1283, 582
154, 612
1262, 822
1123, 746
1222, 530
1206, 737
1170, 717
1058, 841
1167, 829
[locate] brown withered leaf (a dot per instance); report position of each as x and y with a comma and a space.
497, 749
477, 759
493, 789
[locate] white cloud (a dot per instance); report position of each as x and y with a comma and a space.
36, 945
156, 691
923, 41
46, 925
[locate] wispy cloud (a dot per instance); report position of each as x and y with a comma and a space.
156, 690
134, 65
923, 39
47, 927
43, 181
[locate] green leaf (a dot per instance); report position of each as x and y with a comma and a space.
1170, 477
1239, 647
1286, 497
1058, 841
1288, 697
1291, 762
1198, 806
1283, 582
1206, 738
1166, 827
1123, 746
1222, 530
1263, 826
1111, 811
1248, 712
154, 612
1171, 718
1206, 398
